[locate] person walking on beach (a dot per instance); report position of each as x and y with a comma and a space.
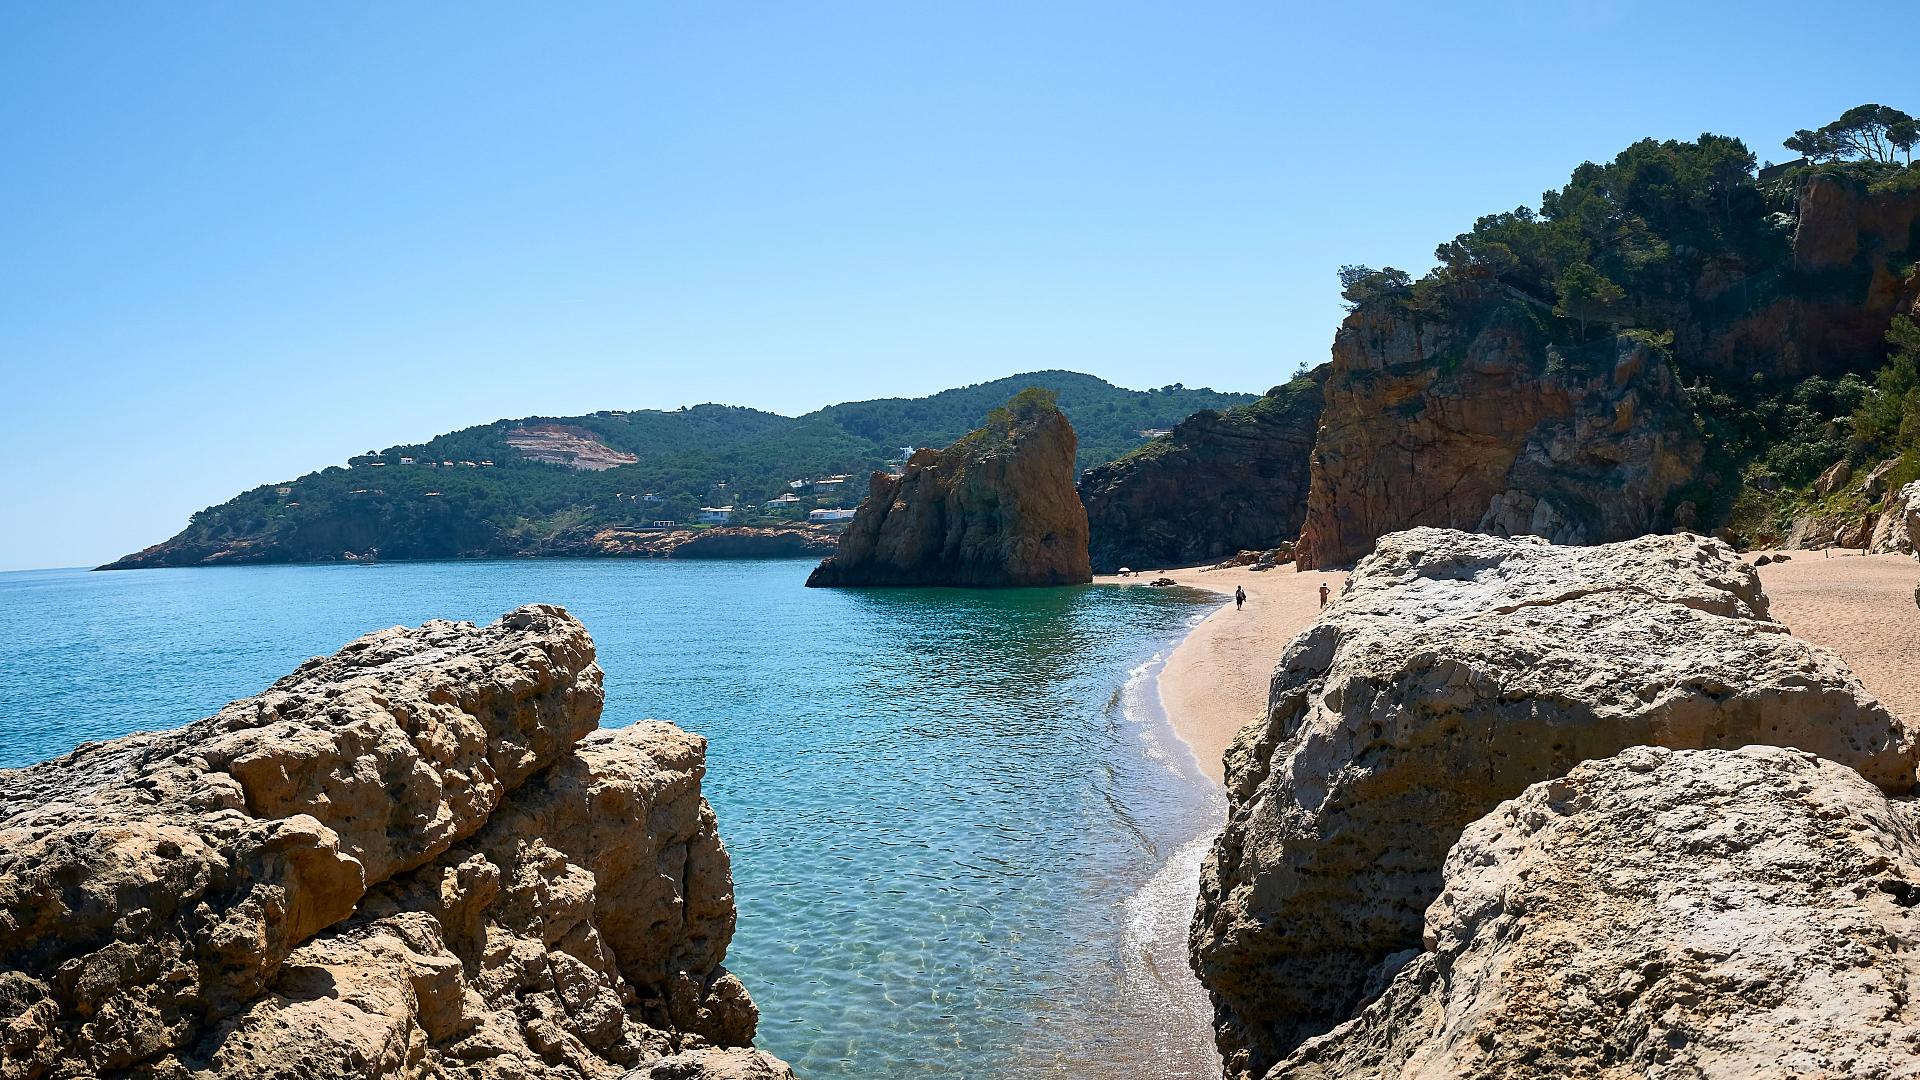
1239, 597
1323, 594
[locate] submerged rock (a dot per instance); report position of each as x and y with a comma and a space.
1220, 482
416, 857
1703, 913
996, 508
1453, 671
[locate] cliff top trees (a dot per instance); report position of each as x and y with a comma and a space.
1875, 133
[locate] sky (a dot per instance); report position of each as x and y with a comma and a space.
243, 241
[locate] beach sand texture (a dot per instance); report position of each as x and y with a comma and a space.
1860, 606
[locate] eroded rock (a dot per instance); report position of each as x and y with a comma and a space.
1703, 913
1453, 671
997, 508
414, 855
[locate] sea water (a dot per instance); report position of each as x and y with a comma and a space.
965, 842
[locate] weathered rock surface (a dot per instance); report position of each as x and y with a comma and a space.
1702, 913
1897, 529
997, 508
1220, 483
1453, 671
725, 542
416, 857
1488, 425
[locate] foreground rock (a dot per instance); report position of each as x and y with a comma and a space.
416, 857
996, 508
1483, 423
1453, 671
1702, 913
1220, 483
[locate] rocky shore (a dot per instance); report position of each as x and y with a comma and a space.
417, 857
1517, 810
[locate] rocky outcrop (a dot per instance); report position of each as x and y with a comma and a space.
727, 542
1453, 671
1221, 482
1488, 424
997, 508
416, 857
1706, 913
1897, 528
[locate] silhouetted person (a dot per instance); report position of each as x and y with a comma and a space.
1323, 594
1239, 597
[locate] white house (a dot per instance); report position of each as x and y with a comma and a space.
827, 517
716, 515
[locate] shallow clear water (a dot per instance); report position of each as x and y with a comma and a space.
964, 840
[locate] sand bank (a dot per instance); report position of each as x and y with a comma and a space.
1215, 683
1860, 606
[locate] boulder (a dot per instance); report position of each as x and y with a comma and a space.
997, 508
416, 855
1833, 479
1453, 671
1485, 423
1720, 914
1220, 482
1897, 529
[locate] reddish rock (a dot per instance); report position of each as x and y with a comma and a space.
997, 508
1220, 483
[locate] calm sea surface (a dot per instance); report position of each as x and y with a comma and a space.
964, 840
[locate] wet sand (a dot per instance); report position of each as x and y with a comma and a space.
1215, 683
1860, 606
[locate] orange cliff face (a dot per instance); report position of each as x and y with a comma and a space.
997, 508
1485, 424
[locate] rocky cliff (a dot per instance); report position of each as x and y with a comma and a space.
1221, 482
997, 508
1488, 423
1453, 671
417, 857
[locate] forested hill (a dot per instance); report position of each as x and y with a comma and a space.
550, 485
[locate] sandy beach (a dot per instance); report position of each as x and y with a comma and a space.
1860, 606
1215, 683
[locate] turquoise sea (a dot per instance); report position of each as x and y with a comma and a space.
965, 841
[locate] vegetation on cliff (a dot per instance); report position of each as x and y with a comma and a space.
510, 487
1782, 297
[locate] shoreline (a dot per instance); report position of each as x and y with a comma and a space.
1215, 680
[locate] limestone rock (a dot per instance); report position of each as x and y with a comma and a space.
1721, 914
1221, 482
1453, 671
997, 508
411, 857
1897, 529
1485, 424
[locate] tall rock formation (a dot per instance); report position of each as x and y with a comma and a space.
1722, 914
1486, 423
1220, 483
414, 858
997, 508
1453, 671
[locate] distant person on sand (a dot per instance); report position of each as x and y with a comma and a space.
1239, 597
1323, 594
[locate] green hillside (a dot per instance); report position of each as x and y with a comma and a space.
405, 502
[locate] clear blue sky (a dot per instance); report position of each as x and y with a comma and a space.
243, 241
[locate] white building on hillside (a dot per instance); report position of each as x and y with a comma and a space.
716, 515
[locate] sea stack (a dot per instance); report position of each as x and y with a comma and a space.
997, 508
